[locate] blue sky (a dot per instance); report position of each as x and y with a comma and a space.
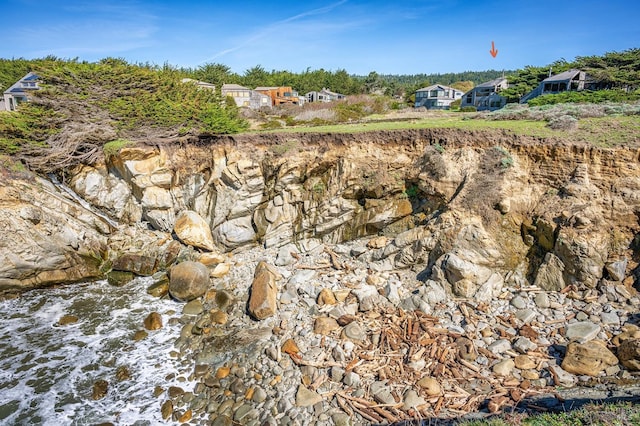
389, 37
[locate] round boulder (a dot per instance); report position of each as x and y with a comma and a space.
188, 280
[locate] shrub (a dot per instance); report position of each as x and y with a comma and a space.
469, 108
112, 148
563, 122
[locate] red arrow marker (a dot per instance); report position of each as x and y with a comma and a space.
493, 50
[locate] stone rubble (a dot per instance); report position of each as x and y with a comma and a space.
337, 346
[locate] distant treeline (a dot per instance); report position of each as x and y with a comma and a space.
339, 81
616, 70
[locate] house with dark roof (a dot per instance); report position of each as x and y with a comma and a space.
437, 96
485, 96
572, 80
245, 97
19, 91
324, 95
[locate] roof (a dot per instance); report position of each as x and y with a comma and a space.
234, 87
563, 76
436, 86
268, 87
17, 86
493, 83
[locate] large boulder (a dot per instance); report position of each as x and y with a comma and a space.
193, 230
549, 275
588, 359
188, 280
264, 291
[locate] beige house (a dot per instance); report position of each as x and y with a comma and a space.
245, 97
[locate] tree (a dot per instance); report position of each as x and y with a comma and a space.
256, 76
463, 86
217, 74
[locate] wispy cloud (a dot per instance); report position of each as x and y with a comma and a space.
274, 28
87, 28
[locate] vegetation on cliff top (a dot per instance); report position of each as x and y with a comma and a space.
83, 106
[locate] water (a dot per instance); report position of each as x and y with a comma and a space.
48, 371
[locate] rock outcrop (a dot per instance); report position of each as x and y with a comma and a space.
555, 216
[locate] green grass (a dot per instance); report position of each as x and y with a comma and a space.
613, 414
609, 131
452, 121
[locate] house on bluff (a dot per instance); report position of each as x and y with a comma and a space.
282, 95
245, 97
485, 96
572, 80
324, 95
437, 96
19, 92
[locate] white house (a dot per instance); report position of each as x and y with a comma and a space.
324, 95
19, 92
437, 96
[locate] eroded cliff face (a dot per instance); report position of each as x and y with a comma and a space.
467, 210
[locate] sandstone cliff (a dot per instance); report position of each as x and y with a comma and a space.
465, 209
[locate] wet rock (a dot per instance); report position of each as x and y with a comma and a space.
582, 332
100, 389
588, 359
185, 417
306, 397
188, 281
123, 373
220, 270
139, 335
119, 278
629, 353
159, 289
175, 391
166, 409
136, 263
193, 230
194, 307
218, 317
264, 291
67, 319
223, 299
153, 321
